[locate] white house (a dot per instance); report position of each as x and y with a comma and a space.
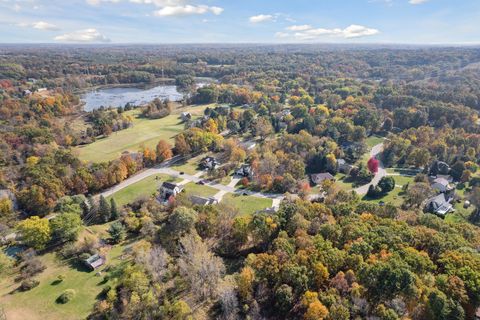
168, 189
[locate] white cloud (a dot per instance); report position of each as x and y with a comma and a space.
282, 35
187, 10
40, 25
414, 2
86, 35
306, 32
300, 28
261, 18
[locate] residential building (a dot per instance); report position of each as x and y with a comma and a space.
95, 261
318, 178
244, 171
169, 189
203, 201
209, 163
439, 205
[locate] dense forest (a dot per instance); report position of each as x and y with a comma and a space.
331, 250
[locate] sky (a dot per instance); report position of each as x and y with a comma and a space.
240, 21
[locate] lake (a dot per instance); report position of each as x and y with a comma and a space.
120, 96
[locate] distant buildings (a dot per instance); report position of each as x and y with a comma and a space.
441, 184
186, 116
343, 166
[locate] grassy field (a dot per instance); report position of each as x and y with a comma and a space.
342, 184
246, 204
373, 141
145, 187
193, 189
191, 165
393, 197
40, 302
144, 132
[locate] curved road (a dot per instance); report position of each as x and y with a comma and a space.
374, 152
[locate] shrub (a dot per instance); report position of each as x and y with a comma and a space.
66, 296
29, 284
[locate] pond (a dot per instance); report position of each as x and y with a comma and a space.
120, 96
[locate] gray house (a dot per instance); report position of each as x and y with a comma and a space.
318, 178
95, 261
203, 201
439, 205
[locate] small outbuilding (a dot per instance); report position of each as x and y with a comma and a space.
95, 261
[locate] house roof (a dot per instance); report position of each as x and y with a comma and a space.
442, 181
440, 204
202, 200
95, 261
318, 177
169, 185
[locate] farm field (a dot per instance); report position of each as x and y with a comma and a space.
144, 132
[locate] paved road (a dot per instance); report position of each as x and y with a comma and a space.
376, 150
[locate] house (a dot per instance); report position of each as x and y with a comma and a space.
42, 89
209, 163
95, 261
318, 178
169, 189
439, 205
203, 201
441, 184
27, 92
343, 166
244, 171
186, 116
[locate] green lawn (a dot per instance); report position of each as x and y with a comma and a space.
145, 187
460, 215
193, 189
342, 184
246, 204
144, 132
373, 141
393, 197
40, 302
191, 165
403, 180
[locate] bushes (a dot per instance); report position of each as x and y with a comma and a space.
66, 296
29, 284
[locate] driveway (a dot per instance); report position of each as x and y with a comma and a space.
374, 152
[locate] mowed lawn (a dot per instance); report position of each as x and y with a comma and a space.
143, 132
246, 204
193, 189
40, 302
143, 188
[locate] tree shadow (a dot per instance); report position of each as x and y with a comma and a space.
56, 282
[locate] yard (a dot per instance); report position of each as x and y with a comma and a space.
193, 189
40, 302
372, 141
145, 187
247, 204
190, 166
144, 132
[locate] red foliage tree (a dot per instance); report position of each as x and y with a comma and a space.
372, 165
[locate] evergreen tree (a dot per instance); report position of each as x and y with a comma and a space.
104, 210
113, 210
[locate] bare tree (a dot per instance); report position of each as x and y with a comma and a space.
200, 267
229, 302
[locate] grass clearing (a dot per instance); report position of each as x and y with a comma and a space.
193, 189
393, 197
342, 184
143, 132
145, 187
191, 166
40, 302
372, 141
247, 204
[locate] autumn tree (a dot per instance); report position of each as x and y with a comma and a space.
164, 151
35, 232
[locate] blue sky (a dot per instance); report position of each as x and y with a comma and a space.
244, 21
